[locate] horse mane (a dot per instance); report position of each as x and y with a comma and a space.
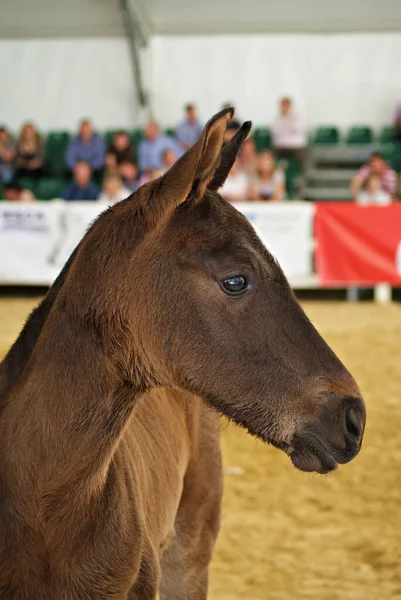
17, 357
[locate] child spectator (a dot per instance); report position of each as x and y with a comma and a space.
82, 188
373, 192
113, 189
129, 174
30, 153
120, 150
13, 192
7, 153
87, 147
268, 183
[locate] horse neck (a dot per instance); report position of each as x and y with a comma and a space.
62, 421
18, 355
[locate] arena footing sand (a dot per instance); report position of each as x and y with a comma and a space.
287, 535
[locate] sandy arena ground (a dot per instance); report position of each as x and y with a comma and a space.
288, 535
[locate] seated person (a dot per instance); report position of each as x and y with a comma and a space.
235, 188
129, 174
7, 153
169, 158
188, 132
82, 188
268, 182
87, 147
113, 189
152, 147
375, 166
15, 193
120, 150
247, 155
289, 134
373, 193
30, 152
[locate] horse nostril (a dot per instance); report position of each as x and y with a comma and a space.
353, 424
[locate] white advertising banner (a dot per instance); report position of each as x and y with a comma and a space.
287, 232
36, 239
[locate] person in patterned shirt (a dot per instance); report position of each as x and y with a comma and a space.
375, 166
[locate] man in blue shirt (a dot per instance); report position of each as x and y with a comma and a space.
82, 188
152, 147
87, 146
189, 131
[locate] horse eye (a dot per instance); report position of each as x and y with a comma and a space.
235, 285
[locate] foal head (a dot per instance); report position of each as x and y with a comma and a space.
182, 293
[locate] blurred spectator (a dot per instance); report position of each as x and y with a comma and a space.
169, 158
268, 183
13, 192
149, 175
120, 150
397, 121
30, 153
87, 147
152, 146
375, 166
7, 153
247, 155
235, 188
289, 134
129, 175
82, 188
113, 189
188, 132
373, 192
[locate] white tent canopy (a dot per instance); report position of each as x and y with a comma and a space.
338, 59
54, 18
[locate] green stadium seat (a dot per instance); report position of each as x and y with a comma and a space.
49, 188
136, 136
291, 169
325, 135
262, 137
170, 131
388, 134
28, 183
360, 135
56, 147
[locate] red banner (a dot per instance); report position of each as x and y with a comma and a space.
358, 244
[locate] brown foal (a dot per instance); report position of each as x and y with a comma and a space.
169, 312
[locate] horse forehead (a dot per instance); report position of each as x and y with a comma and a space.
215, 221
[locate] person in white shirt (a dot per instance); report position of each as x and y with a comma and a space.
235, 188
113, 190
373, 193
289, 134
268, 181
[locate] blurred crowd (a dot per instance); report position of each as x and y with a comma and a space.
95, 170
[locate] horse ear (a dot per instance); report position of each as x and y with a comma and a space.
191, 174
228, 156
